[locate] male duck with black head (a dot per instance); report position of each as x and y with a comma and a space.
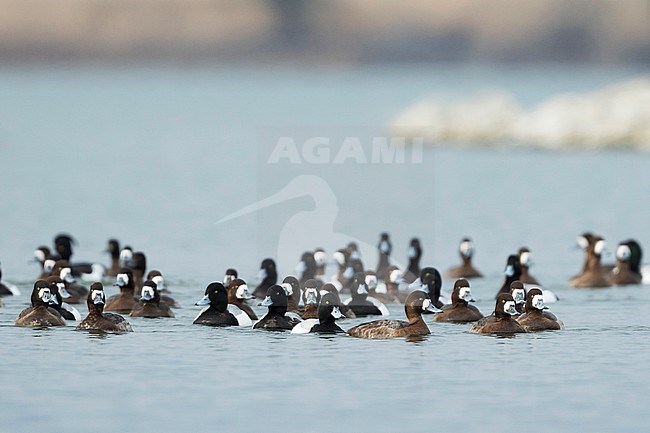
139, 267
275, 319
306, 267
97, 320
430, 282
39, 314
124, 302
360, 303
460, 311
325, 323
628, 264
113, 249
216, 313
536, 318
512, 273
156, 277
416, 303
77, 291
331, 288
501, 321
150, 305
384, 248
526, 261
465, 269
238, 294
593, 275
268, 275
59, 293
414, 255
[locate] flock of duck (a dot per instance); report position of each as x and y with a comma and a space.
310, 302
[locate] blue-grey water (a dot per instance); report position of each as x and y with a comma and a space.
155, 157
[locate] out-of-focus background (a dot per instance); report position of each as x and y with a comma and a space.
325, 32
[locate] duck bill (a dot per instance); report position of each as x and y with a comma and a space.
336, 313
428, 306
146, 295
63, 292
509, 271
261, 275
203, 301
267, 302
510, 308
415, 285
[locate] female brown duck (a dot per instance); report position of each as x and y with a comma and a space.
416, 303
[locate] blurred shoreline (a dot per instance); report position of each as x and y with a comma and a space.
321, 33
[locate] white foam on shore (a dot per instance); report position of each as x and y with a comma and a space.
617, 116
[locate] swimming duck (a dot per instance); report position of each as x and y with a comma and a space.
291, 287
97, 320
310, 299
139, 267
459, 311
526, 261
416, 303
519, 295
628, 264
306, 268
113, 249
216, 313
536, 318
39, 314
77, 292
126, 256
385, 248
63, 245
7, 289
275, 319
501, 321
512, 273
331, 288
156, 277
230, 276
268, 275
238, 294
414, 255
43, 256
345, 272
430, 282
388, 291
353, 251
465, 269
59, 293
593, 275
320, 257
360, 303
124, 302
325, 323
150, 305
